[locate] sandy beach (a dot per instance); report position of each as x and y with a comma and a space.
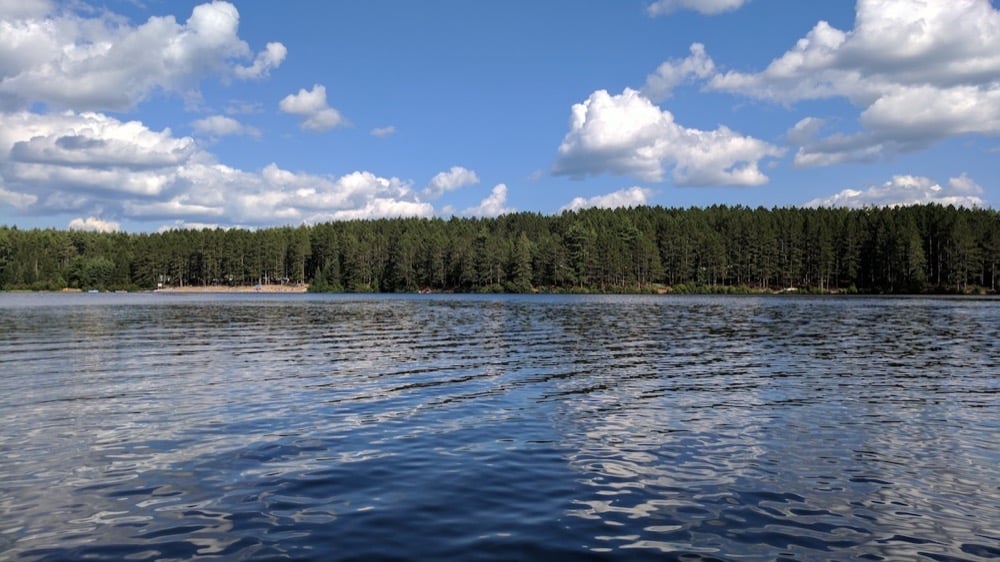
238, 289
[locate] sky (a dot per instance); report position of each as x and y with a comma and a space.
148, 115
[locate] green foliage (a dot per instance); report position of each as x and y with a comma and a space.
719, 249
96, 272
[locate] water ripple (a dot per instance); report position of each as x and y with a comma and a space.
153, 427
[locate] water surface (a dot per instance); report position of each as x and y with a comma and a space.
306, 427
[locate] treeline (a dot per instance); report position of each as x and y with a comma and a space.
913, 249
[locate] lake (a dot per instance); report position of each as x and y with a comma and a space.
458, 427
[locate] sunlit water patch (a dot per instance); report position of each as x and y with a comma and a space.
301, 427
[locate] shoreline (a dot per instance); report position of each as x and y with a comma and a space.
657, 290
237, 289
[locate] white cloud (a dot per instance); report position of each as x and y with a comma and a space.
67, 60
804, 131
383, 132
920, 71
17, 9
92, 164
16, 200
808, 71
840, 148
964, 185
908, 190
674, 72
493, 205
277, 196
186, 225
312, 105
271, 57
220, 126
181, 224
386, 208
244, 107
85, 141
928, 111
179, 206
94, 224
455, 178
627, 135
661, 7
630, 197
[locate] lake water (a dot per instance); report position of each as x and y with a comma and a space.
313, 427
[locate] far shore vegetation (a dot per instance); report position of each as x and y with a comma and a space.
720, 249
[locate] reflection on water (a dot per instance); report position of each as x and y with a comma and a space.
149, 427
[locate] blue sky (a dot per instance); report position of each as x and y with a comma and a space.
144, 115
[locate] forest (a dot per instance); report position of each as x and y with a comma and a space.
913, 249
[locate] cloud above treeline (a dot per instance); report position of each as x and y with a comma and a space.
494, 205
627, 134
455, 178
918, 71
908, 190
80, 161
629, 197
94, 224
65, 60
96, 166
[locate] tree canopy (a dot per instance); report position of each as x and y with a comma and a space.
915, 249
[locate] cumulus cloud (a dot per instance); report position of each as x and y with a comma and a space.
672, 73
383, 132
181, 224
275, 196
908, 190
311, 104
91, 164
493, 205
919, 71
627, 134
271, 57
47, 146
104, 63
385, 208
630, 197
964, 185
808, 71
220, 126
662, 7
455, 178
94, 224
